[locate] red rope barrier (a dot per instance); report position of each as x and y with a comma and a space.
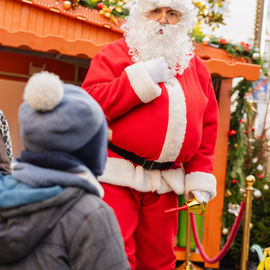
227, 245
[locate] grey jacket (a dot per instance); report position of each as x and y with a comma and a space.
73, 230
52, 217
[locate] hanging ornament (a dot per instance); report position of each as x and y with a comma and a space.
255, 56
259, 167
260, 175
223, 41
250, 103
257, 193
254, 160
234, 181
99, 6
205, 40
246, 132
253, 129
235, 145
266, 187
242, 121
228, 193
225, 231
67, 4
233, 209
232, 132
250, 225
242, 190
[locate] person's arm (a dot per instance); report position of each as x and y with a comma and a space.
4, 159
117, 83
199, 170
97, 243
5, 145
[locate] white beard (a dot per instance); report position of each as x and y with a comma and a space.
145, 41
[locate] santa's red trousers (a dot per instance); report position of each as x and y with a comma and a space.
147, 231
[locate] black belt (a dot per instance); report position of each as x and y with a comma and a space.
146, 164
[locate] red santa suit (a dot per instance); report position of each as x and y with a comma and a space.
174, 122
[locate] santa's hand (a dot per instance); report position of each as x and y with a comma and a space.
201, 196
158, 69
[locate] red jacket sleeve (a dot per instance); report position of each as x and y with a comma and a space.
203, 160
117, 83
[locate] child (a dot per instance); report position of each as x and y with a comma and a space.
51, 212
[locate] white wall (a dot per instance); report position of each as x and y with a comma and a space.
239, 16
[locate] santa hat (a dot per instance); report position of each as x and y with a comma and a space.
183, 6
58, 117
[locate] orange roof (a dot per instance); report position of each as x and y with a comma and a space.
219, 62
44, 25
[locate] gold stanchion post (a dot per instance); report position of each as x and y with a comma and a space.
188, 263
250, 180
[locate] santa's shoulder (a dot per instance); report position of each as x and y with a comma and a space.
201, 68
116, 47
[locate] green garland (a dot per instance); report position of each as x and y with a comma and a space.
243, 51
246, 156
114, 7
210, 12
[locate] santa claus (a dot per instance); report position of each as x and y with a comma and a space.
162, 110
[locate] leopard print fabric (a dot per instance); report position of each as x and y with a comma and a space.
4, 132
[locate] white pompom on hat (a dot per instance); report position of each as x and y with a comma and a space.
44, 91
57, 116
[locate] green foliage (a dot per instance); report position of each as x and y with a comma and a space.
246, 156
243, 52
209, 12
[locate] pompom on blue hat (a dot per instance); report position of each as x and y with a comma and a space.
58, 117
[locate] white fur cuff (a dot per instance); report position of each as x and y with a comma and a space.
141, 82
200, 181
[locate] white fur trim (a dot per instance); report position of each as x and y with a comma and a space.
44, 91
141, 82
182, 6
89, 177
200, 181
121, 172
177, 122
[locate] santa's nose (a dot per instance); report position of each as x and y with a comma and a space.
163, 19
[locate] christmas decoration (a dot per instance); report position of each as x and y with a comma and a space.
232, 132
259, 167
257, 193
228, 193
67, 4
108, 8
242, 52
242, 190
99, 6
234, 181
249, 158
225, 231
210, 12
242, 121
255, 56
234, 209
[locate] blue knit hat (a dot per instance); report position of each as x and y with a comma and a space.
63, 118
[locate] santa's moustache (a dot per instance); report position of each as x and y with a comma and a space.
149, 39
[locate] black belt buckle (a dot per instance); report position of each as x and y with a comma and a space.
148, 165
